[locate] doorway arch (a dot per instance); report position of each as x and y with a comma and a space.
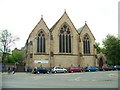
101, 62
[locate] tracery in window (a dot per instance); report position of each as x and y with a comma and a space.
65, 40
41, 42
86, 45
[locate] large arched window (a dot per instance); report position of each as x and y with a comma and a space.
41, 42
65, 40
86, 45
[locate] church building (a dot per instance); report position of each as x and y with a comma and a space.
62, 45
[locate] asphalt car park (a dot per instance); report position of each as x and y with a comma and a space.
99, 79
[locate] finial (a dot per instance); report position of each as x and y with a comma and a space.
42, 16
85, 22
64, 10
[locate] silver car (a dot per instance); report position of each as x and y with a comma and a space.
59, 70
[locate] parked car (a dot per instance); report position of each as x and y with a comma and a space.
99, 68
106, 68
90, 68
58, 70
41, 70
117, 67
111, 68
75, 69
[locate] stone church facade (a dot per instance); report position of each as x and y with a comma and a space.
62, 45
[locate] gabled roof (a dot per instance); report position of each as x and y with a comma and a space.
65, 13
41, 20
81, 29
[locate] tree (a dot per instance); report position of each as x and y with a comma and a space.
9, 59
97, 45
112, 49
18, 55
100, 49
6, 41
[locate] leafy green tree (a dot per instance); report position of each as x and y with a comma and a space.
6, 41
112, 49
103, 50
9, 59
98, 48
18, 55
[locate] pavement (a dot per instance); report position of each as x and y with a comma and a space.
104, 79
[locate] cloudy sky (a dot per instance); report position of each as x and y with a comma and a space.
19, 17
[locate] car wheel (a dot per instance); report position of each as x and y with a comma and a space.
72, 71
55, 71
48, 72
65, 71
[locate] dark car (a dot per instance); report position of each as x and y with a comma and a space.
117, 67
41, 70
98, 68
90, 68
75, 69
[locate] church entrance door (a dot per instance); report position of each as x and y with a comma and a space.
101, 62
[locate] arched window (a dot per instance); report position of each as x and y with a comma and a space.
41, 42
65, 40
86, 45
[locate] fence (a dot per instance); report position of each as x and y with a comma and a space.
19, 67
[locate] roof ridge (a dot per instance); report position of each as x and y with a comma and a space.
88, 28
38, 24
57, 21
65, 13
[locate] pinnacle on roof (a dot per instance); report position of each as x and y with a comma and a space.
41, 16
64, 10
